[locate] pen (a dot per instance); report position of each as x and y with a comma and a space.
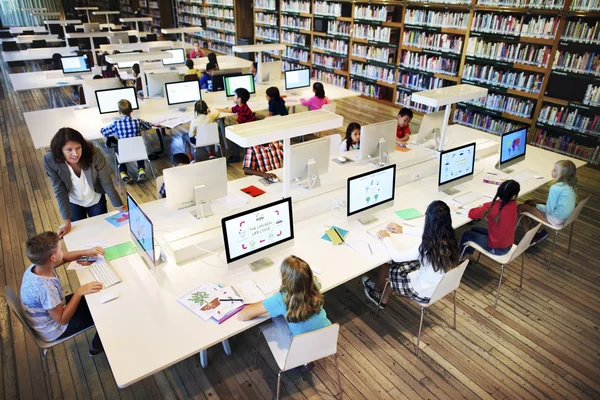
371, 250
350, 246
231, 299
407, 224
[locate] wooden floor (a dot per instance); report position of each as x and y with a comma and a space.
540, 342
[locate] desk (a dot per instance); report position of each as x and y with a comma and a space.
183, 31
147, 304
87, 11
37, 80
225, 63
18, 30
28, 39
37, 54
147, 46
106, 14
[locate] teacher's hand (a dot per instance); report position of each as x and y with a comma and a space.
64, 229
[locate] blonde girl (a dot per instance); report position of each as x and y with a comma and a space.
202, 116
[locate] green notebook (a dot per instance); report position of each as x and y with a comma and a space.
408, 214
118, 251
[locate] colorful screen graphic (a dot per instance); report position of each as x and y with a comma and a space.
370, 190
513, 145
141, 227
457, 163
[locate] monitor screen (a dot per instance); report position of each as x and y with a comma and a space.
258, 229
512, 145
298, 78
182, 92
141, 227
178, 57
456, 163
371, 189
245, 81
75, 65
108, 99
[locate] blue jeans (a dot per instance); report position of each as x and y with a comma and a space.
480, 237
79, 213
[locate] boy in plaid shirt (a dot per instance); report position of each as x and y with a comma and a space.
127, 127
244, 114
259, 160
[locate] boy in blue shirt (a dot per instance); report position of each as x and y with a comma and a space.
206, 80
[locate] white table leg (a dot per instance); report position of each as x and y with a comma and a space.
287, 166
204, 358
226, 347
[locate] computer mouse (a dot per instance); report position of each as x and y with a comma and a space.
341, 159
274, 180
106, 297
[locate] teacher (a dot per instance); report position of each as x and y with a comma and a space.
80, 178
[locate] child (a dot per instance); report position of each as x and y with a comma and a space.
501, 218
261, 159
108, 70
42, 293
202, 116
127, 127
56, 63
560, 203
212, 57
276, 103
135, 69
191, 69
206, 80
244, 114
405, 115
178, 159
419, 270
254, 71
317, 101
196, 52
352, 140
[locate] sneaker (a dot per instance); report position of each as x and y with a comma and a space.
539, 237
141, 175
125, 177
374, 297
368, 283
94, 352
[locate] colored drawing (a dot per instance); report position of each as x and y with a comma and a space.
199, 298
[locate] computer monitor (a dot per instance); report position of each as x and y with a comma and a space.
218, 78
431, 127
456, 166
91, 27
377, 141
245, 81
142, 232
196, 185
297, 78
308, 161
269, 71
370, 192
75, 65
179, 93
178, 57
108, 99
512, 148
249, 234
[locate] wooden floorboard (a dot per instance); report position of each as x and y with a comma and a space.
542, 341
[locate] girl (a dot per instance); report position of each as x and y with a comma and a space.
419, 270
501, 217
135, 69
196, 52
212, 57
56, 62
202, 116
108, 70
317, 101
560, 203
352, 141
276, 103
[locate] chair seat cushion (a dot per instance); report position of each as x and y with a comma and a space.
278, 341
503, 259
548, 224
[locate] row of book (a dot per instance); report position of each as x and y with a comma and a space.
296, 22
381, 54
266, 4
403, 99
419, 82
327, 8
436, 19
492, 75
566, 144
268, 57
339, 28
370, 32
219, 48
325, 60
222, 37
538, 4
330, 78
585, 5
191, 20
504, 103
580, 63
583, 31
287, 66
484, 122
371, 13
373, 72
510, 52
368, 89
218, 24
433, 41
334, 45
299, 39
518, 25
297, 54
592, 95
218, 12
220, 2
267, 19
296, 6
456, 2
430, 63
570, 119
262, 32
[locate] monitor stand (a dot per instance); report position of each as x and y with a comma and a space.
172, 69
368, 220
451, 192
261, 264
504, 170
203, 208
316, 180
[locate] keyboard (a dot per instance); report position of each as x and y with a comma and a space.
270, 284
521, 177
467, 198
104, 273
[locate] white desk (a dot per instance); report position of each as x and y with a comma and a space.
87, 11
225, 63
147, 46
28, 39
106, 14
37, 54
37, 80
182, 31
17, 30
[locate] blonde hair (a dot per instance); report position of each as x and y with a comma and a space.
125, 107
301, 296
567, 173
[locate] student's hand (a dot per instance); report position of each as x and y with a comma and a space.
95, 251
64, 229
383, 234
394, 227
268, 175
123, 208
88, 288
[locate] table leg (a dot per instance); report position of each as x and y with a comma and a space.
222, 129
156, 154
204, 358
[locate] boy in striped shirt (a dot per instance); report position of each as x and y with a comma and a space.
244, 114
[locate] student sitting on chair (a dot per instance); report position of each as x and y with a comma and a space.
405, 115
212, 57
318, 100
139, 89
127, 127
56, 63
202, 116
196, 52
178, 159
244, 114
276, 103
206, 79
191, 69
254, 71
352, 140
42, 293
261, 159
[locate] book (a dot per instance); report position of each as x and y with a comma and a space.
118, 219
493, 179
212, 302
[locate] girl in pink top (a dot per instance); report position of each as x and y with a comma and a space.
317, 101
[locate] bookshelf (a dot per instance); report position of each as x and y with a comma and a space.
161, 13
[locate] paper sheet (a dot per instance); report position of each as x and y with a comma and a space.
120, 250
249, 292
232, 201
118, 219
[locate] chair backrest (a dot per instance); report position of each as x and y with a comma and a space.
91, 85
575, 214
331, 107
207, 134
17, 308
334, 143
449, 283
525, 242
132, 149
156, 82
312, 346
159, 182
191, 77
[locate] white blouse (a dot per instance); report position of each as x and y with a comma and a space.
82, 193
352, 147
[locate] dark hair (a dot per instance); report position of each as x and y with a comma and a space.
40, 248
508, 191
136, 68
195, 41
201, 107
273, 93
189, 63
319, 90
439, 246
97, 77
56, 62
405, 111
210, 66
243, 94
212, 57
255, 65
65, 135
352, 126
180, 159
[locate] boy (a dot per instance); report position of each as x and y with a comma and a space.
244, 114
254, 71
178, 159
206, 80
405, 115
42, 294
196, 53
259, 160
191, 69
127, 127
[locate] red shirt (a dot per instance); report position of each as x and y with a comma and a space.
502, 234
199, 54
401, 132
244, 113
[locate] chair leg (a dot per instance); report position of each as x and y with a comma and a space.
478, 256
420, 328
387, 283
463, 252
522, 268
226, 346
339, 379
220, 149
278, 383
518, 222
118, 175
454, 309
499, 283
257, 346
552, 252
570, 237
151, 169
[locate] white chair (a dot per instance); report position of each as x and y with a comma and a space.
556, 228
302, 349
208, 135
449, 283
159, 181
515, 251
334, 143
331, 107
130, 150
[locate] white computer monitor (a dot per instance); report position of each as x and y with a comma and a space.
196, 185
456, 166
377, 141
512, 148
269, 71
178, 57
308, 161
370, 192
297, 78
182, 92
232, 83
108, 99
75, 65
249, 234
142, 232
431, 127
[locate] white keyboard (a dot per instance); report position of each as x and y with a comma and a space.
270, 284
521, 177
467, 198
104, 273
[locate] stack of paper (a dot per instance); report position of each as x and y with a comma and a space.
210, 301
